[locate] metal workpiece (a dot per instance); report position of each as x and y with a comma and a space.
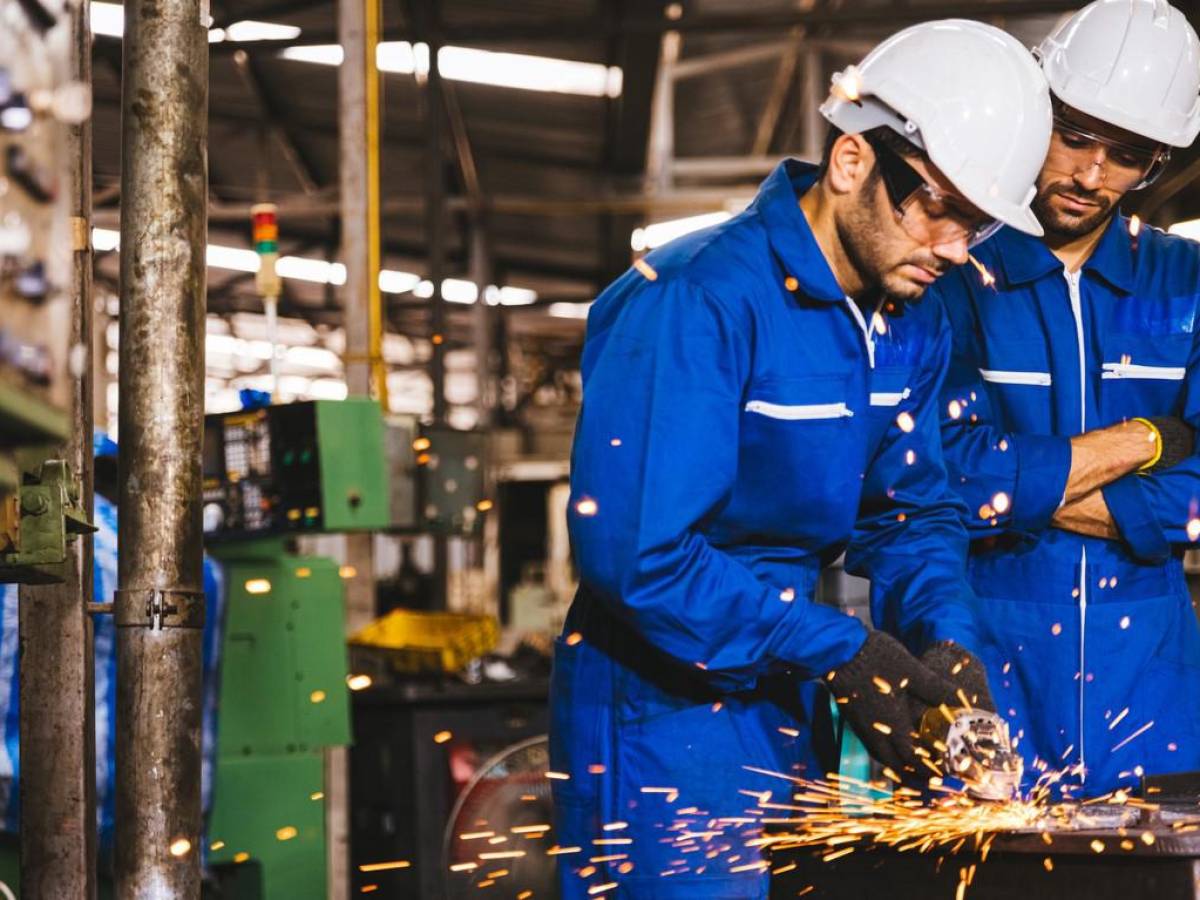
1101, 852
164, 178
1003, 876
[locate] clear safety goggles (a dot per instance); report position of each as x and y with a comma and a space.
930, 216
1123, 167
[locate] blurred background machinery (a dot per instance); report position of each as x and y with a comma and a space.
40, 507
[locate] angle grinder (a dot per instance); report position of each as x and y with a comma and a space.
974, 746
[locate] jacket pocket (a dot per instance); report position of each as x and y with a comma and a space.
792, 412
580, 719
1132, 370
790, 485
889, 386
1011, 376
1143, 375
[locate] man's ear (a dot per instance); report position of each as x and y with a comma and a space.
850, 161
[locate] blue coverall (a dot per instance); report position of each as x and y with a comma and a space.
743, 423
1087, 641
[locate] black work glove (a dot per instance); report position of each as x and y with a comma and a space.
1178, 441
886, 715
964, 670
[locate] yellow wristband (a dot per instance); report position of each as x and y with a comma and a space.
1158, 445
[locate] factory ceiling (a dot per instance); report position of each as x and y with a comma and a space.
562, 179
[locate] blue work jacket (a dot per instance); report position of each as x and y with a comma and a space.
743, 423
1092, 645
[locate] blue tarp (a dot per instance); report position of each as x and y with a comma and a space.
106, 689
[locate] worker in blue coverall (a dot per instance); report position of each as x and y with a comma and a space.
1070, 375
759, 397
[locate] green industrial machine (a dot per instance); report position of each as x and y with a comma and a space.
298, 468
283, 702
270, 475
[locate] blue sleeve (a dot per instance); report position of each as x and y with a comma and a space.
1025, 472
655, 456
1152, 511
909, 538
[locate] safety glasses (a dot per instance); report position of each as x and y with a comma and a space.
1123, 167
929, 215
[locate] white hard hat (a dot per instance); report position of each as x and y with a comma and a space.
1134, 64
970, 96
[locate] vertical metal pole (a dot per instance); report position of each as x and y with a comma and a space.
435, 226
372, 14
100, 376
661, 157
435, 237
483, 330
505, 388
159, 604
814, 93
58, 766
363, 337
353, 176
357, 91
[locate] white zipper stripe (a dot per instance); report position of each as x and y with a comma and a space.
1000, 376
1083, 602
796, 411
889, 398
1153, 373
1073, 279
866, 329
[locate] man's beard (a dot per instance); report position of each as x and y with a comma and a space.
1065, 224
860, 235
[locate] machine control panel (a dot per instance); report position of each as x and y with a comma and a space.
295, 468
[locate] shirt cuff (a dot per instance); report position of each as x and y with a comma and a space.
962, 633
1043, 466
1134, 518
824, 639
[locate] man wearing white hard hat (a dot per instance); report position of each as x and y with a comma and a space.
1068, 416
758, 398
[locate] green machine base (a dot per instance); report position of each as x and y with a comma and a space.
283, 701
270, 810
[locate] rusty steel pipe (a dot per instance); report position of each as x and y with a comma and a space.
159, 603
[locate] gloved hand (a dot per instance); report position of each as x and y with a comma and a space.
1177, 439
964, 670
883, 692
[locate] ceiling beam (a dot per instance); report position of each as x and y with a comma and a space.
533, 153
653, 23
681, 201
302, 167
627, 139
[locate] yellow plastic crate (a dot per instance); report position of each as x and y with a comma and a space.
430, 641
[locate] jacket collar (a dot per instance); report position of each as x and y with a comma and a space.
1024, 258
1112, 259
778, 203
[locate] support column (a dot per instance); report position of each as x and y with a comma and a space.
814, 88
58, 762
160, 603
483, 328
358, 137
435, 228
426, 15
